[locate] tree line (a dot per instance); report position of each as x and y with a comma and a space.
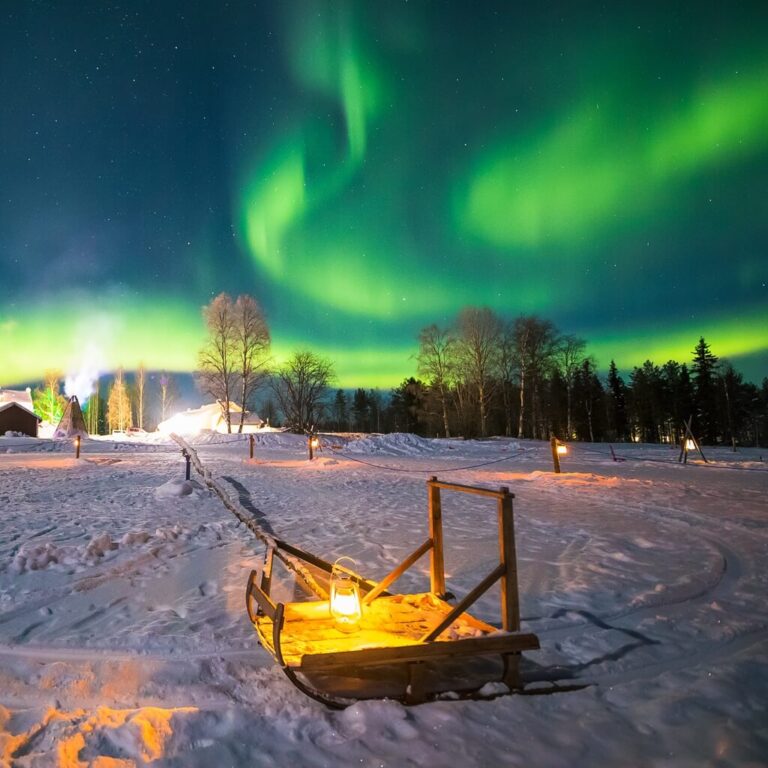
486, 375
522, 377
483, 374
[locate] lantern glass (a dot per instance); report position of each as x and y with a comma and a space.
562, 449
345, 597
314, 442
690, 445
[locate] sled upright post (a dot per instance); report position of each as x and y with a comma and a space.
436, 559
510, 601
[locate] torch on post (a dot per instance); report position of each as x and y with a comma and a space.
77, 446
313, 443
558, 449
189, 463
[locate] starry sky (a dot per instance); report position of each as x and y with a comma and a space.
365, 169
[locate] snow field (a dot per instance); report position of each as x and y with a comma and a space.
123, 634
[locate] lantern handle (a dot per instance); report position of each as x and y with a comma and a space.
337, 565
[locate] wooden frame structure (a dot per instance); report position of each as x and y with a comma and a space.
684, 449
409, 646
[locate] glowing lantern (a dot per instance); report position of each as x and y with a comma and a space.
690, 445
345, 597
314, 441
562, 449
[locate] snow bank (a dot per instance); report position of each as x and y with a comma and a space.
395, 444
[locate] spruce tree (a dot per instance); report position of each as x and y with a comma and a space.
704, 366
361, 410
617, 404
407, 406
678, 397
340, 410
647, 401
374, 410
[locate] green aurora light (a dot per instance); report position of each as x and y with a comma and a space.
366, 172
590, 169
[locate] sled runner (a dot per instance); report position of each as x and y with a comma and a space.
351, 638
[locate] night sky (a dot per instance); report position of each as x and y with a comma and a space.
366, 169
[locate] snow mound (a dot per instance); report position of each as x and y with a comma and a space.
276, 440
98, 546
176, 489
38, 557
396, 444
101, 546
34, 558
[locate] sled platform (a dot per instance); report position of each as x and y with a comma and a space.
411, 647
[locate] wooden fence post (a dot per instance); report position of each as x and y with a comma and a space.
436, 560
555, 457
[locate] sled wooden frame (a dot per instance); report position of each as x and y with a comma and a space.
409, 636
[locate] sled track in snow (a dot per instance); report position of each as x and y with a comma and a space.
689, 653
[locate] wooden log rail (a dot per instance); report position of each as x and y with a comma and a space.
289, 560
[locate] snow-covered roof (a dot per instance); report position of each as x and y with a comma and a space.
22, 396
207, 417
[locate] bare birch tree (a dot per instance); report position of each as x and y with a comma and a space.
218, 361
232, 364
534, 346
251, 349
477, 334
140, 383
436, 363
300, 386
167, 395
119, 405
508, 367
569, 356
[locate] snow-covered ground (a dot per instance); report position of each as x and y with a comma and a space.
124, 640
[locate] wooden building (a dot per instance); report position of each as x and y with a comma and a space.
14, 417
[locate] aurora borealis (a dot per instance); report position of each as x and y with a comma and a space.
366, 168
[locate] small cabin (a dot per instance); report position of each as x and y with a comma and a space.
14, 417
